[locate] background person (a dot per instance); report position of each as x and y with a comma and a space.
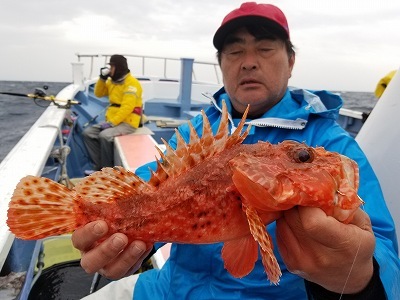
122, 116
320, 257
383, 83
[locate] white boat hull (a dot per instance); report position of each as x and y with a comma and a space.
380, 140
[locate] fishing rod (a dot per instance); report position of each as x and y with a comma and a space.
40, 94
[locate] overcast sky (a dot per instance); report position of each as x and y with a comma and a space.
343, 45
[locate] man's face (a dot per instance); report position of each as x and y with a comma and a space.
112, 70
255, 71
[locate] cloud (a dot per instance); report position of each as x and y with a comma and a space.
340, 44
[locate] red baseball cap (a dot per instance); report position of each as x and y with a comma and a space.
267, 14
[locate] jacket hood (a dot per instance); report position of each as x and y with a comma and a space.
121, 67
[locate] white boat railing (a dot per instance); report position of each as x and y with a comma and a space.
154, 66
28, 157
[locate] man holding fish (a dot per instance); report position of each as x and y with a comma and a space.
320, 257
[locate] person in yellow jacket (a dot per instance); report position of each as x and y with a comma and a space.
383, 83
122, 116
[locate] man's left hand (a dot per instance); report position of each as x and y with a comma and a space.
322, 250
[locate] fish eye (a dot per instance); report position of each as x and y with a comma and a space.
303, 155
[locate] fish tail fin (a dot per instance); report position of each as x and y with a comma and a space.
258, 230
40, 208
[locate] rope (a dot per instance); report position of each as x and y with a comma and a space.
352, 265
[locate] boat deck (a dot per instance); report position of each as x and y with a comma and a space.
133, 151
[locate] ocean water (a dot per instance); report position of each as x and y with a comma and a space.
17, 114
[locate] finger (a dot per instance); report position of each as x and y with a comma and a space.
127, 262
330, 232
311, 223
85, 238
297, 228
100, 256
139, 262
362, 227
287, 239
362, 220
269, 217
149, 248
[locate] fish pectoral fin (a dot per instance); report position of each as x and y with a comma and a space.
254, 193
260, 234
240, 256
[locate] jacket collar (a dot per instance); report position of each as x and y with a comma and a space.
292, 112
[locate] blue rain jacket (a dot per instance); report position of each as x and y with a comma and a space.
197, 271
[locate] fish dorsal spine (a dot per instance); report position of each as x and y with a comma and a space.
174, 162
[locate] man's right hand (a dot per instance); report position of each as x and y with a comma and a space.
113, 258
104, 73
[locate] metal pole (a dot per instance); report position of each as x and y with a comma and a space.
185, 89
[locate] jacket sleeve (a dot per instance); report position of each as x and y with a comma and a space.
374, 290
386, 248
100, 88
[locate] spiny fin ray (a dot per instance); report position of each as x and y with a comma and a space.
257, 229
111, 184
174, 162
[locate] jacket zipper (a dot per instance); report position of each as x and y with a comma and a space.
297, 124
